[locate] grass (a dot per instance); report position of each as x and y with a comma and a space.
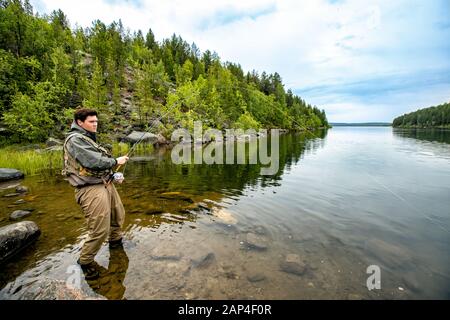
30, 161
33, 161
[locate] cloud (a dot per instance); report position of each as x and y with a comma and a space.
332, 52
381, 98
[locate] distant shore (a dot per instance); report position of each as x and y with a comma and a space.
361, 124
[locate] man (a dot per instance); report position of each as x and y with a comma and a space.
88, 167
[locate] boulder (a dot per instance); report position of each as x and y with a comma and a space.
19, 214
161, 139
51, 142
156, 124
17, 236
10, 174
55, 148
135, 136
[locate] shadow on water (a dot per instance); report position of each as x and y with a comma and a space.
160, 199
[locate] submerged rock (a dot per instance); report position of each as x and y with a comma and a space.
256, 277
19, 214
293, 264
9, 184
10, 174
152, 211
10, 195
204, 261
163, 253
17, 236
224, 215
203, 206
256, 242
21, 189
175, 196
50, 289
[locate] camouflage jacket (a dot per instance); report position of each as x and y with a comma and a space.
85, 161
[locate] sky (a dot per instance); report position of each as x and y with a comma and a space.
360, 61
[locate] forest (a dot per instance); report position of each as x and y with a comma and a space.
432, 117
48, 69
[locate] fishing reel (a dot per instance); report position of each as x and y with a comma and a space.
118, 177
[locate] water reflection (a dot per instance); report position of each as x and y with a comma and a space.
432, 135
338, 203
158, 196
431, 143
110, 282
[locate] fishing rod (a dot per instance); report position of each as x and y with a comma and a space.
116, 175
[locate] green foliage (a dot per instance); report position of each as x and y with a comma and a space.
438, 116
47, 69
32, 118
61, 68
30, 161
96, 97
151, 83
246, 121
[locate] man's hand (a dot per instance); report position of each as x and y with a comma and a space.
122, 160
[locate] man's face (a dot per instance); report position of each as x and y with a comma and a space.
90, 124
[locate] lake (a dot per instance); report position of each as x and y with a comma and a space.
342, 200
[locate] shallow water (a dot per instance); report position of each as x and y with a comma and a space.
342, 200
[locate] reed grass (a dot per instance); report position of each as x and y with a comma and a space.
34, 161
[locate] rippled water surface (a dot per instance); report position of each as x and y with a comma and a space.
342, 200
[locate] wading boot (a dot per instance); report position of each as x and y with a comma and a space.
90, 270
115, 243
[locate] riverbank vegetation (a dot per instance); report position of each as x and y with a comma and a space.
32, 159
48, 69
432, 117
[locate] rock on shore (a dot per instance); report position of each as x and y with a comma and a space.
17, 236
10, 174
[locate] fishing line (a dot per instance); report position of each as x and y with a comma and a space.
407, 203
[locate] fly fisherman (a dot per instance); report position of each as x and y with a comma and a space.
89, 167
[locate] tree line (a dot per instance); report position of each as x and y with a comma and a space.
48, 69
436, 116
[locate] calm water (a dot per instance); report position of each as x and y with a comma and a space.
342, 200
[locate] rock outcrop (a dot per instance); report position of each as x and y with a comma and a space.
17, 236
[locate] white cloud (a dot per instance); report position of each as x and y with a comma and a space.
309, 43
